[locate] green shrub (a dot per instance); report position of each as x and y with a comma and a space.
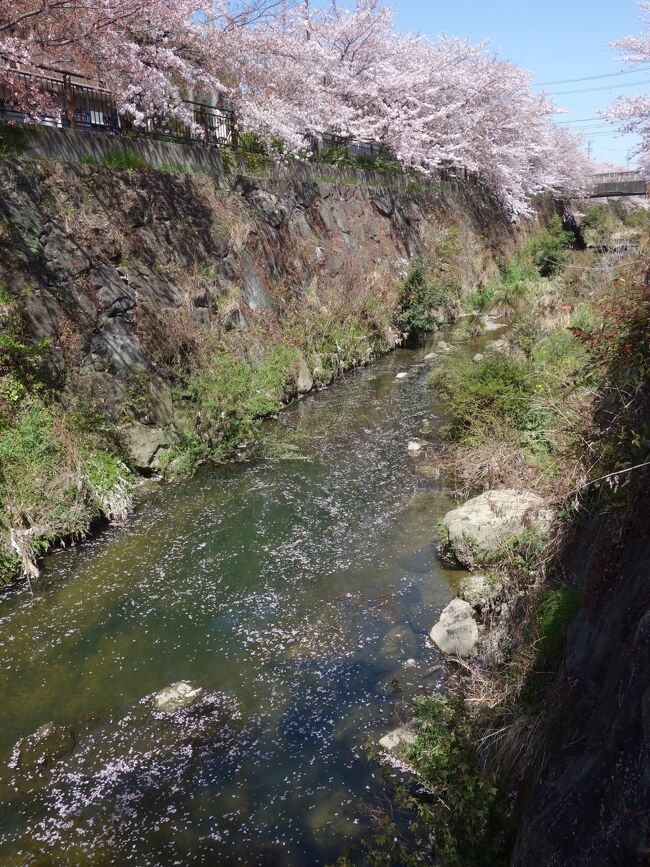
499, 391
226, 397
14, 139
560, 353
549, 249
457, 820
481, 300
421, 300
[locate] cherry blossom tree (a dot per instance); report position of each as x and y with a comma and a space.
296, 70
434, 105
632, 114
149, 52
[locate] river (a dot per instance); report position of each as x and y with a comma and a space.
293, 589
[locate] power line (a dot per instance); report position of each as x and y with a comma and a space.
593, 77
594, 89
577, 120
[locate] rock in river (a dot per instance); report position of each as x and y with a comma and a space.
481, 525
398, 741
47, 744
456, 633
415, 446
304, 379
178, 696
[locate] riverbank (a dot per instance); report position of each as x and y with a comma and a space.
551, 422
150, 319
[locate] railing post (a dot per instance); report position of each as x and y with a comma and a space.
203, 116
68, 94
234, 138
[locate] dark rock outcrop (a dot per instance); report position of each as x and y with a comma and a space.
589, 803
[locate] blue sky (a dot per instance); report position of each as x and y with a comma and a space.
554, 39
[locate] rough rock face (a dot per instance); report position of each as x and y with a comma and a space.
588, 806
475, 590
456, 633
115, 268
482, 524
145, 444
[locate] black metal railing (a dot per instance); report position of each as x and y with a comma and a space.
82, 106
75, 102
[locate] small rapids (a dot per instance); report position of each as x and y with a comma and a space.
292, 589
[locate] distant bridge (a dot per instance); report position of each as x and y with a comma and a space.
619, 184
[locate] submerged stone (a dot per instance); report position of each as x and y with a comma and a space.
47, 744
415, 446
178, 696
429, 471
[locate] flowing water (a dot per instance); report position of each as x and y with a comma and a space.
294, 590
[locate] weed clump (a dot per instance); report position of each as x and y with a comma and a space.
430, 287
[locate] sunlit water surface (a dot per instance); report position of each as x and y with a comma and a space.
293, 589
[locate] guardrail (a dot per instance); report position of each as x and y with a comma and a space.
80, 106
616, 177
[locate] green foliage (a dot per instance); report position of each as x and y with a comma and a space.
556, 613
53, 480
226, 397
251, 143
499, 391
14, 139
542, 256
457, 818
9, 565
596, 218
481, 300
338, 155
126, 159
427, 289
20, 361
560, 353
254, 152
584, 318
549, 249
418, 301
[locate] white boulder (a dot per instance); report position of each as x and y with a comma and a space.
178, 696
486, 522
399, 740
456, 633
